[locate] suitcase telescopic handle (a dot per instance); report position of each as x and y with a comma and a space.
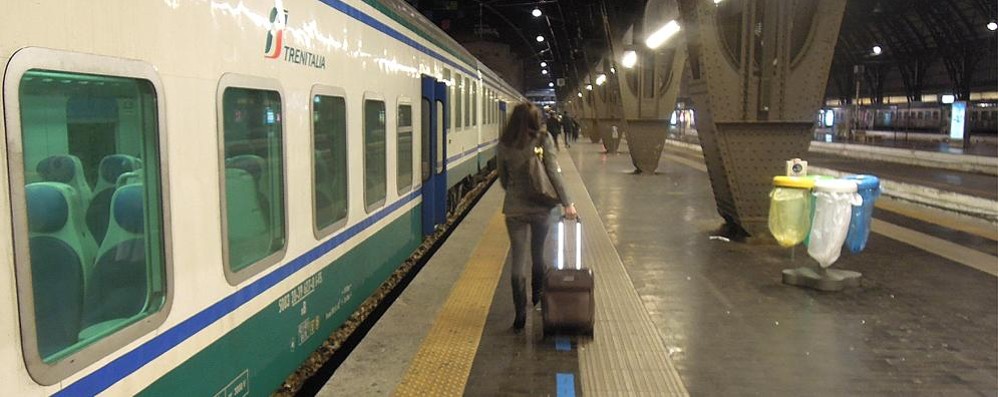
578, 243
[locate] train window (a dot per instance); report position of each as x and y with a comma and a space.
88, 207
252, 164
375, 185
404, 148
467, 103
474, 103
441, 149
973, 116
424, 141
457, 102
446, 79
935, 115
329, 161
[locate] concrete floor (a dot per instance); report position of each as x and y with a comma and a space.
917, 325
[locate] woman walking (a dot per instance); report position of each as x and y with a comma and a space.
528, 218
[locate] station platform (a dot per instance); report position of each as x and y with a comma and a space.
962, 184
983, 145
681, 312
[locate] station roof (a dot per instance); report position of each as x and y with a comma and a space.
907, 47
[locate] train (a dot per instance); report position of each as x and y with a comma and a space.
200, 192
924, 117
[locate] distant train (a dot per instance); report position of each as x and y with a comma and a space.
981, 119
196, 193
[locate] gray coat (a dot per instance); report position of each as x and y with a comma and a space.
513, 174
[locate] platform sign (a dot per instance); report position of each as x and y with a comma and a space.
958, 120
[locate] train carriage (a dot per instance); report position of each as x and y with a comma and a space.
200, 192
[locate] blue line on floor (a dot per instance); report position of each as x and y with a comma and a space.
566, 384
562, 343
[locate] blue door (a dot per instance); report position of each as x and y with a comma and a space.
434, 168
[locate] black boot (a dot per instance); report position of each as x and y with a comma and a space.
519, 322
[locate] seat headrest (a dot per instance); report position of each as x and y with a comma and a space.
58, 168
127, 206
250, 163
111, 167
48, 208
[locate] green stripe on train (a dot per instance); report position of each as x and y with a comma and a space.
256, 357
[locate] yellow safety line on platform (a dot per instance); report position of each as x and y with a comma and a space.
980, 229
443, 363
952, 251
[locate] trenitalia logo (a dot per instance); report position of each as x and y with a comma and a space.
275, 43
275, 37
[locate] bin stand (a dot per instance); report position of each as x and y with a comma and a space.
816, 277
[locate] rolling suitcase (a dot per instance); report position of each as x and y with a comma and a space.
569, 304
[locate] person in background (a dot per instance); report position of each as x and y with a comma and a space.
570, 127
527, 220
554, 128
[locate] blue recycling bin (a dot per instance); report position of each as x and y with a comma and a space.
862, 216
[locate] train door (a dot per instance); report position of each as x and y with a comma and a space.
433, 136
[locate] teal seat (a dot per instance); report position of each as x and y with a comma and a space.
111, 168
58, 265
130, 178
68, 170
118, 291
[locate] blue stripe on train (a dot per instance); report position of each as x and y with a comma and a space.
123, 366
470, 151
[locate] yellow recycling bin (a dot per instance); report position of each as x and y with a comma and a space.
790, 209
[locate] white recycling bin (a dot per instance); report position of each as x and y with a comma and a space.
834, 199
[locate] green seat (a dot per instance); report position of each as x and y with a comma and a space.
59, 269
110, 169
119, 288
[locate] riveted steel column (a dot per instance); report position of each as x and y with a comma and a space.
649, 89
759, 70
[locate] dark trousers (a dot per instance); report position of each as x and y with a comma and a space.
571, 136
527, 234
554, 137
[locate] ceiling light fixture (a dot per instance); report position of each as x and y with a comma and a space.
662, 35
536, 12
630, 59
589, 87
580, 94
550, 84
992, 26
600, 79
544, 71
540, 39
613, 70
877, 50
544, 64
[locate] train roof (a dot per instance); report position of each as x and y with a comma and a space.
412, 19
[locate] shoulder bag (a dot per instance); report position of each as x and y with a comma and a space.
542, 190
